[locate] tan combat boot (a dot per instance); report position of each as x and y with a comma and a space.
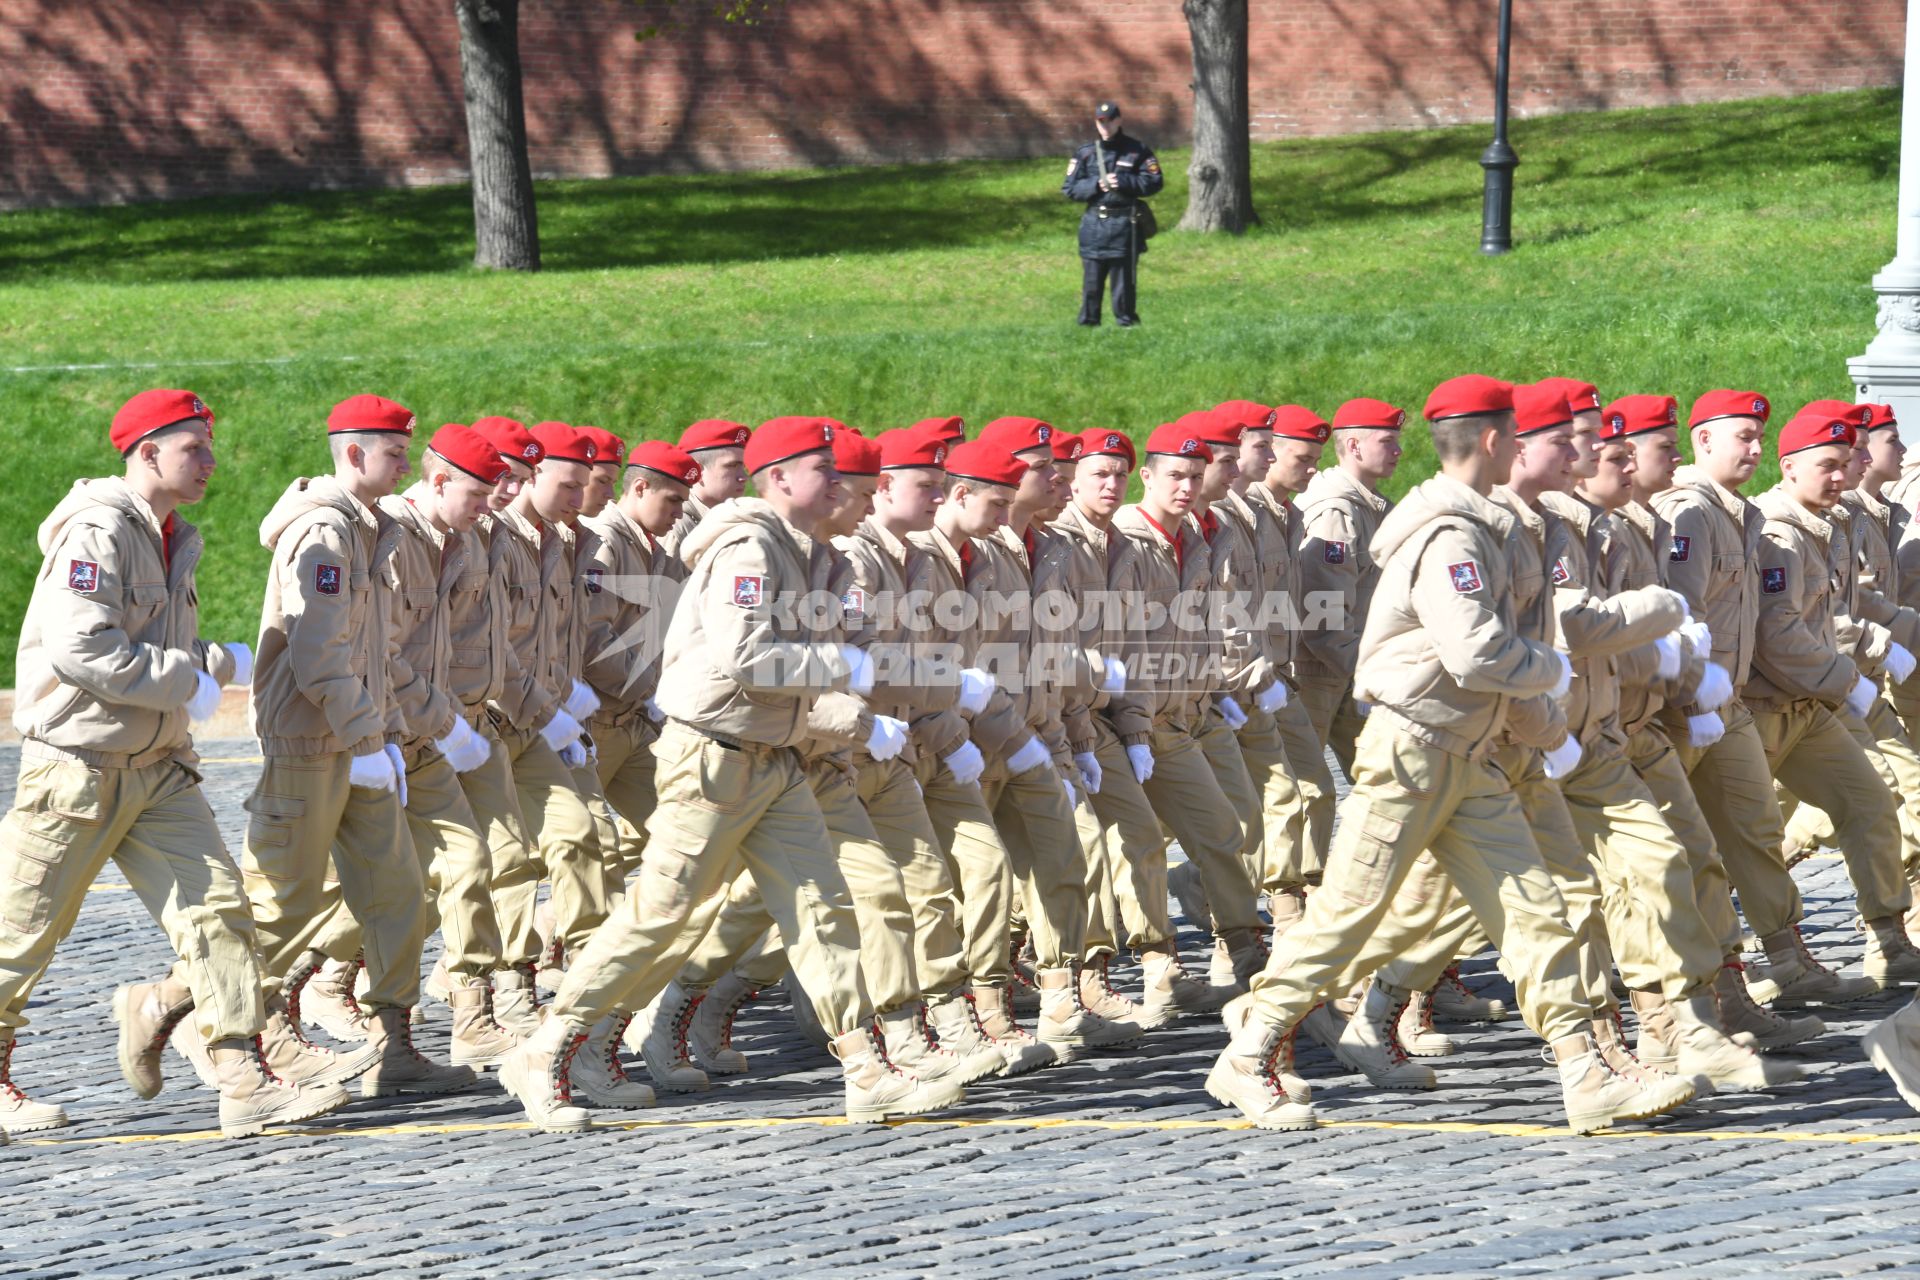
192, 1046
1190, 891
659, 1036
957, 1025
1254, 1074
1098, 994
147, 1013
1611, 1044
477, 1041
19, 1113
515, 1004
597, 1074
710, 1035
328, 999
876, 1091
1740, 1015
1705, 1053
1015, 1044
252, 1097
1795, 979
1659, 1045
1171, 992
439, 981
1595, 1096
1891, 958
1893, 1046
1065, 1024
1286, 906
297, 1060
538, 1075
401, 1068
1454, 1001
1324, 1023
1371, 1042
1416, 1030
1245, 955
912, 1048
1023, 992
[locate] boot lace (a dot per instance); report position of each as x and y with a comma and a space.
682, 1025
260, 1060
294, 1029
616, 1070
1451, 981
1396, 1051
7, 1086
563, 1066
732, 1008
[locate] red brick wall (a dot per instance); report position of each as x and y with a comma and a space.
129, 99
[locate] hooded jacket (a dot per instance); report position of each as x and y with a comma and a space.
421, 572
1164, 589
630, 585
913, 676
1338, 519
110, 642
1627, 561
1713, 545
1797, 656
1093, 555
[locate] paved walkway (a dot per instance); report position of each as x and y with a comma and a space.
1116, 1165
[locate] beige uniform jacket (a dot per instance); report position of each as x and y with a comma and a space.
1239, 580
1442, 656
482, 665
1279, 605
630, 583
1797, 652
746, 656
915, 675
320, 671
110, 643
1094, 556
947, 623
999, 578
1879, 619
421, 571
1339, 517
1627, 562
1539, 551
529, 562
690, 517
1165, 586
1059, 669
1711, 555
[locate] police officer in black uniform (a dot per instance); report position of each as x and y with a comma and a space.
1112, 177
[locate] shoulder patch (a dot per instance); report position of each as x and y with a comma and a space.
594, 574
1682, 548
1466, 576
749, 590
83, 576
326, 579
1561, 573
853, 605
1773, 581
1336, 553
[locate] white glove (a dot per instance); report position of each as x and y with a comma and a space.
1140, 756
465, 749
888, 739
399, 771
581, 703
966, 764
1073, 797
859, 669
1089, 771
1671, 658
1704, 731
574, 754
1565, 683
654, 713
1900, 663
1860, 697
1700, 637
242, 663
206, 698
1274, 698
1115, 678
976, 686
1563, 759
1230, 712
1033, 754
374, 769
560, 730
1716, 688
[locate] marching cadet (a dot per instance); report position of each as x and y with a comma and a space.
1339, 512
1712, 561
1440, 660
719, 446
741, 671
1801, 674
333, 785
111, 670
603, 477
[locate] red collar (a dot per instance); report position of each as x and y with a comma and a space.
1209, 525
1027, 538
166, 542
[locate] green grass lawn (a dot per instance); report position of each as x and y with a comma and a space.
1670, 250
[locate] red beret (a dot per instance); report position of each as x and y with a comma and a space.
985, 462
1470, 393
370, 413
1171, 437
854, 454
1633, 415
1882, 416
1221, 430
1252, 415
911, 447
714, 433
1582, 397
1102, 442
671, 462
1539, 407
1810, 428
607, 447
1860, 415
952, 430
562, 443
1016, 435
1297, 422
778, 439
511, 437
149, 411
1729, 404
1369, 413
1067, 447
470, 451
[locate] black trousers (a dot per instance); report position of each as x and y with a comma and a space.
1094, 276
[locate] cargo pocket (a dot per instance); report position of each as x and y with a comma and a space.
26, 894
1374, 849
271, 820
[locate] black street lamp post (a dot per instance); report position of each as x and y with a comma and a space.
1498, 160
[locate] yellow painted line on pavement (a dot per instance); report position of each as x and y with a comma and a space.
231, 759
1014, 1122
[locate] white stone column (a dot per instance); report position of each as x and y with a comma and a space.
1889, 371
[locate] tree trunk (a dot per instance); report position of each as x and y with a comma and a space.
1220, 191
506, 230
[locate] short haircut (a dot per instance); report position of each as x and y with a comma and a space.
1457, 439
172, 428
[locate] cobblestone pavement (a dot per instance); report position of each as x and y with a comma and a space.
1117, 1164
